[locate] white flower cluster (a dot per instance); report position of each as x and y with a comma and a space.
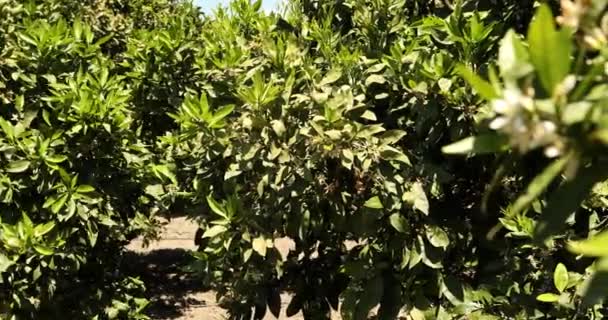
572, 12
516, 117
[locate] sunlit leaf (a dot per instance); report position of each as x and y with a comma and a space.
560, 277
550, 49
548, 297
374, 203
489, 143
259, 246
214, 231
18, 166
398, 222
437, 237
483, 88
596, 246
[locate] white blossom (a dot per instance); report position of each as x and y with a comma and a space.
515, 116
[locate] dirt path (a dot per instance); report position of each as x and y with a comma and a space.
174, 294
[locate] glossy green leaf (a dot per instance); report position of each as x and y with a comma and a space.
560, 277
85, 189
18, 166
43, 250
437, 237
550, 49
483, 88
214, 231
259, 246
279, 127
216, 207
548, 297
399, 222
220, 115
42, 229
331, 77
5, 263
489, 143
513, 58
596, 246
416, 196
375, 78
57, 158
58, 205
390, 153
373, 203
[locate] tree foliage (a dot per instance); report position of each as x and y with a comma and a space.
333, 127
79, 93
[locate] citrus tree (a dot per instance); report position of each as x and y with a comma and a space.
77, 164
324, 128
550, 99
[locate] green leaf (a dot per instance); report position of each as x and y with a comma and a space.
164, 171
596, 246
222, 113
560, 277
488, 143
483, 88
374, 78
369, 115
538, 185
417, 197
18, 166
334, 134
398, 222
5, 263
548, 297
216, 207
373, 203
214, 231
331, 77
42, 229
57, 205
452, 289
390, 153
391, 136
513, 58
437, 237
56, 158
257, 5
45, 251
279, 127
431, 256
85, 189
549, 49
247, 255
259, 245
565, 200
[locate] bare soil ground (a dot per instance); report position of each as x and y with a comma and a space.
175, 294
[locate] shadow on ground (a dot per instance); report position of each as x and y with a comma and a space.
169, 288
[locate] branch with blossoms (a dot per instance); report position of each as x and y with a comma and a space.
551, 92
